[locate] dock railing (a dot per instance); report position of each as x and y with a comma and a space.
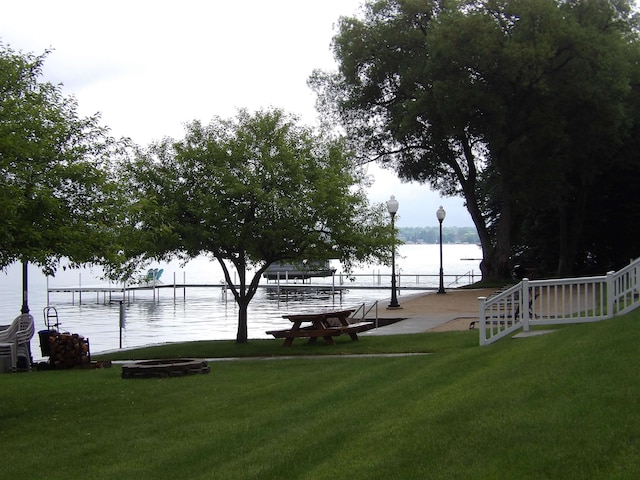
406, 281
558, 301
470, 276
362, 312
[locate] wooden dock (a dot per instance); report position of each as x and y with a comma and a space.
114, 293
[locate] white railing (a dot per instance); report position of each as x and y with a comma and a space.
626, 288
559, 301
408, 281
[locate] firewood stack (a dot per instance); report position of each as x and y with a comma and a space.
69, 350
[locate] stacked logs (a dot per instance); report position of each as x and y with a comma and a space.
69, 350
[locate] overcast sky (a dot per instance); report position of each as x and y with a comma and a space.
150, 66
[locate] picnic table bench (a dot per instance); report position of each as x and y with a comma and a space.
326, 325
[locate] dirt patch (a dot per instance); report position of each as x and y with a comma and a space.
175, 367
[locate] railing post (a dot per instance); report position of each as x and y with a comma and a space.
524, 307
333, 286
611, 293
482, 320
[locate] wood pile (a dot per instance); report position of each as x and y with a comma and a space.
69, 350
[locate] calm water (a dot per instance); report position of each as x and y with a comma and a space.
205, 313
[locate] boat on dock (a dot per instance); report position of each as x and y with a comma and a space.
305, 271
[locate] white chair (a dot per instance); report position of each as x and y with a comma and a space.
25, 332
8, 350
8, 347
8, 334
19, 334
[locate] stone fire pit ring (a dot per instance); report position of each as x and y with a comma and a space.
173, 367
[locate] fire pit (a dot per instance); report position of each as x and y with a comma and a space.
175, 367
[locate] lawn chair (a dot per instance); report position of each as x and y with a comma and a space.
15, 341
153, 276
8, 343
8, 350
24, 335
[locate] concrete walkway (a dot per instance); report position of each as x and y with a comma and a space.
454, 310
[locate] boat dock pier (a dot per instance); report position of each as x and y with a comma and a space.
283, 287
111, 294
114, 294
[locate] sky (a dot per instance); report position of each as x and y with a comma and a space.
149, 67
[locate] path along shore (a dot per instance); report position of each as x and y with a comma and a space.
432, 312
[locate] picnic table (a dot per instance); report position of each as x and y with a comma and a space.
325, 324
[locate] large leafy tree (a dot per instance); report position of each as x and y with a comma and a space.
248, 192
582, 116
513, 104
56, 197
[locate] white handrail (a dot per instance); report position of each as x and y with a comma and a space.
559, 301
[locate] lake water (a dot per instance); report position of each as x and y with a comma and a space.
168, 315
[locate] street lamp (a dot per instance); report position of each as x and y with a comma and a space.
440, 214
392, 207
25, 288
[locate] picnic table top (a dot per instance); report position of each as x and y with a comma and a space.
319, 315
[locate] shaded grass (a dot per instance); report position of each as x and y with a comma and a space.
563, 405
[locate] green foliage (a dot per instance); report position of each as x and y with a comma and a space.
251, 191
563, 405
56, 198
520, 106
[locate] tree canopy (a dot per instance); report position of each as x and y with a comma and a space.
55, 189
517, 105
248, 192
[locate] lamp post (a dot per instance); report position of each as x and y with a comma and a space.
392, 207
25, 288
440, 214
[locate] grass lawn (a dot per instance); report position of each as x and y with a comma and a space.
564, 405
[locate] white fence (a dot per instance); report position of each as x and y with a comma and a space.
559, 301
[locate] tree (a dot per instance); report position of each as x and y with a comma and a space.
56, 197
249, 192
500, 101
580, 120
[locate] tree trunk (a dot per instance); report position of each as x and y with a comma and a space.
495, 256
241, 294
503, 241
563, 247
243, 334
570, 231
485, 238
